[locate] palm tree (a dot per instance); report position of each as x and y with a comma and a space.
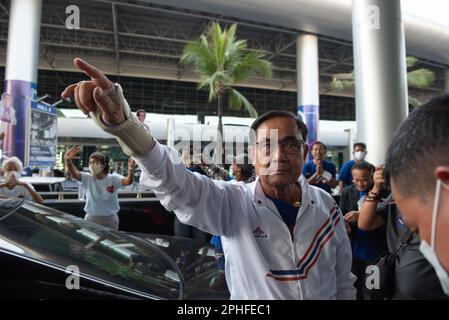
221, 60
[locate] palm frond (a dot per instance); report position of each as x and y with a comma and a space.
421, 78
411, 61
198, 55
234, 53
214, 82
218, 40
252, 63
237, 101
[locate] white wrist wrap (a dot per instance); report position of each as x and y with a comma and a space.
132, 136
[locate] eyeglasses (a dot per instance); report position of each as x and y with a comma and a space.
289, 146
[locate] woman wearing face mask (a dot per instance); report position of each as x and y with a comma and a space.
12, 186
100, 187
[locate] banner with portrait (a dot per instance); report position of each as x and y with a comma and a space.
43, 139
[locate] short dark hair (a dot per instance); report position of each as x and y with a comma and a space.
359, 144
104, 159
363, 165
420, 145
278, 114
246, 168
318, 142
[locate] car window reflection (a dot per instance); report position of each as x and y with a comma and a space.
62, 240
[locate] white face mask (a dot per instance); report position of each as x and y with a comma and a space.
360, 155
12, 174
95, 168
429, 251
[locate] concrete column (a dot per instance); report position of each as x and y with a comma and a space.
21, 75
308, 84
380, 73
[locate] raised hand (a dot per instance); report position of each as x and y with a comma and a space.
72, 153
319, 167
379, 180
92, 96
131, 164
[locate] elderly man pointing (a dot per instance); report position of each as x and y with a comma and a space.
282, 238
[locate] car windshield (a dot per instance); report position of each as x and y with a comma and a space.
62, 240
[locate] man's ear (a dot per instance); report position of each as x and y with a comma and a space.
442, 173
252, 155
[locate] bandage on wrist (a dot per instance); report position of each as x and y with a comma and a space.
132, 136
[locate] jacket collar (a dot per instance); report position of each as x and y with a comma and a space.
260, 199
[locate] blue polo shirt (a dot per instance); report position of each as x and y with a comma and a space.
310, 168
345, 172
288, 213
367, 244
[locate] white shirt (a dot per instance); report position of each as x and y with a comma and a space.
18, 191
262, 259
101, 195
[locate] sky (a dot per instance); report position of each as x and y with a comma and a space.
434, 10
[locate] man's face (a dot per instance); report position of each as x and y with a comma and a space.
276, 162
141, 116
318, 151
362, 179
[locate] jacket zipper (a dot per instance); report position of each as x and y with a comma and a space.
292, 246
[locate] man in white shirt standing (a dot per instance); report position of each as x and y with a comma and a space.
282, 238
142, 115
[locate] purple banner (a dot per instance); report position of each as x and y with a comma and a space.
15, 103
310, 115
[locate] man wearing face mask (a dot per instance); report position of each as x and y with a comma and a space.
345, 178
12, 186
101, 188
414, 278
418, 162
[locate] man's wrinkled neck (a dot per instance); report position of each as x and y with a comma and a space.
287, 193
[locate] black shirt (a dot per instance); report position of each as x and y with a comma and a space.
415, 278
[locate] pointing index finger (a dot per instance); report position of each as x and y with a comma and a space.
94, 73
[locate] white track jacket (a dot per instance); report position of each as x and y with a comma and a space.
262, 259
